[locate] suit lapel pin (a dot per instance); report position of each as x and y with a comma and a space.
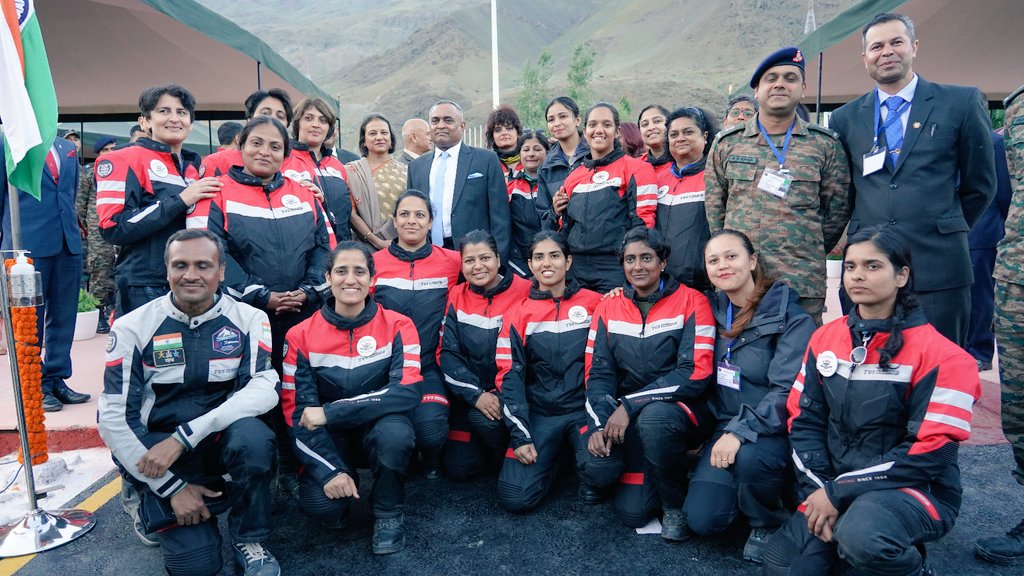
917, 125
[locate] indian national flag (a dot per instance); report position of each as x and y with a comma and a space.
28, 104
167, 341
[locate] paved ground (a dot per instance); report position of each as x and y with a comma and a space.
458, 529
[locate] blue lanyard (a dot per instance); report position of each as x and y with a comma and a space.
780, 156
890, 120
728, 328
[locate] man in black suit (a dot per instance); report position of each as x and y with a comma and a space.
921, 161
465, 184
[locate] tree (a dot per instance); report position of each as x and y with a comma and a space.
533, 91
625, 108
581, 70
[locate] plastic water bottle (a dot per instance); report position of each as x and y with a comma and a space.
25, 283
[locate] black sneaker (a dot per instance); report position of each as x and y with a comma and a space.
254, 560
673, 525
389, 535
431, 467
753, 550
103, 324
1008, 549
589, 494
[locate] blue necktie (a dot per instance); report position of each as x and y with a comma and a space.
894, 132
437, 199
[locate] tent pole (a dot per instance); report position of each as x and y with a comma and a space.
209, 134
817, 99
259, 80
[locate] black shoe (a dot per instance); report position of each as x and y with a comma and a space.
288, 485
389, 535
68, 396
51, 404
753, 550
431, 468
590, 495
673, 525
1007, 549
103, 325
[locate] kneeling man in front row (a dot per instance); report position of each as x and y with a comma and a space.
186, 377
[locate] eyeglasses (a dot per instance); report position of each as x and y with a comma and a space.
744, 112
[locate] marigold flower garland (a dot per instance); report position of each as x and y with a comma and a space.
30, 369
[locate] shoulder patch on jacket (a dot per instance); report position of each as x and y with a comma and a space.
818, 128
742, 159
732, 130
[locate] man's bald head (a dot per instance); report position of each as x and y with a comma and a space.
416, 134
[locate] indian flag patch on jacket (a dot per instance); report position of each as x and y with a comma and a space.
168, 351
167, 341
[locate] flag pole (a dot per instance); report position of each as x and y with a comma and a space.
12, 202
37, 530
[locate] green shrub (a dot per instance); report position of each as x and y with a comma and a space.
86, 301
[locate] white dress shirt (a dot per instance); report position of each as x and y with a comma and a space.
449, 185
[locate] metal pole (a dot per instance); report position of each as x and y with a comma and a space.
496, 97
209, 135
259, 79
12, 201
817, 99
12, 356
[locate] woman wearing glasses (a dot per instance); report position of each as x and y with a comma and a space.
762, 333
877, 415
741, 108
680, 216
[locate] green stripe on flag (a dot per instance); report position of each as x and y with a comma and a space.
27, 174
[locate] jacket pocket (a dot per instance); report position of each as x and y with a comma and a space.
741, 171
951, 225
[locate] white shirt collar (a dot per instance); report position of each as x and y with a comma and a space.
453, 152
907, 93
411, 154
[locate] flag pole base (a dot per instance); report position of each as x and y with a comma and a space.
40, 530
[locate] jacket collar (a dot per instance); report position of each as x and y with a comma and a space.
506, 281
668, 287
912, 319
187, 156
612, 156
571, 288
238, 175
690, 169
300, 147
557, 158
219, 302
407, 256
771, 309
342, 323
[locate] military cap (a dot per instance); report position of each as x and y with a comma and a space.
790, 55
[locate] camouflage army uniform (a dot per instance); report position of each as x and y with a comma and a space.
99, 263
792, 235
1009, 274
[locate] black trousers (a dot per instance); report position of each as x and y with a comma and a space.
430, 417
244, 450
981, 341
598, 272
521, 487
753, 485
473, 441
880, 533
668, 430
635, 499
386, 446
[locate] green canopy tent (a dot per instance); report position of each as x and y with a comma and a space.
103, 53
966, 42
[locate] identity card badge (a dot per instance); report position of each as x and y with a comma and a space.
775, 182
874, 160
728, 375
